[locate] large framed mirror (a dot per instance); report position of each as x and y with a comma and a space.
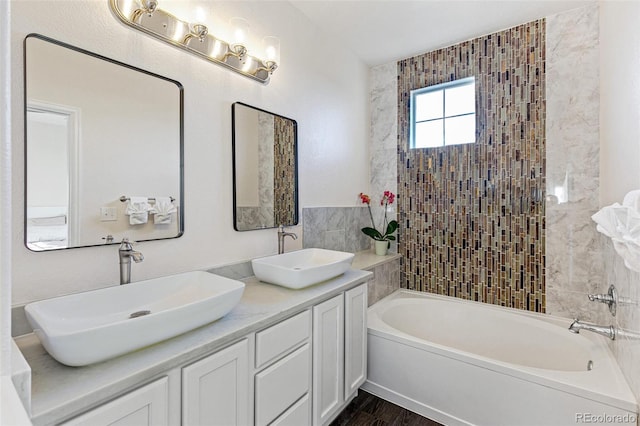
103, 148
265, 169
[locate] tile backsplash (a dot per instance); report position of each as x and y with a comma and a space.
336, 228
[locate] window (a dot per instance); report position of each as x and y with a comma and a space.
444, 114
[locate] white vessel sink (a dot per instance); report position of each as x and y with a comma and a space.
85, 328
302, 268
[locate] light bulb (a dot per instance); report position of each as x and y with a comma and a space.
200, 15
271, 47
240, 29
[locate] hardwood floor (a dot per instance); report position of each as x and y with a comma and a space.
369, 410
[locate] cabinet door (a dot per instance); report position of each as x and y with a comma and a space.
215, 390
328, 358
355, 339
147, 405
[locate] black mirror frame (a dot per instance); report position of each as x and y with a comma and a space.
235, 170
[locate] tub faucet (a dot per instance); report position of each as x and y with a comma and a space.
610, 299
281, 235
126, 253
608, 331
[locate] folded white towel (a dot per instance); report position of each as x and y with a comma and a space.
621, 223
162, 210
138, 210
632, 199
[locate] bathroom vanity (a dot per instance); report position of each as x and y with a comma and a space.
281, 356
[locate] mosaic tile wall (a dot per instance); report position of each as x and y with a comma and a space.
276, 185
284, 171
472, 216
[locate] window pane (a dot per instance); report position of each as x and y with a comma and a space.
460, 100
460, 130
428, 105
428, 134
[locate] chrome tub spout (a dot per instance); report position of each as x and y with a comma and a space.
604, 330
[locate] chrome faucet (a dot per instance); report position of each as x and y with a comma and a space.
126, 253
608, 331
281, 235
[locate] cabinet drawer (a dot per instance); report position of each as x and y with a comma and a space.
277, 340
281, 385
299, 414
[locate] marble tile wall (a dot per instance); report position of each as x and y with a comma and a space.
626, 347
254, 217
266, 154
336, 228
383, 132
575, 265
386, 280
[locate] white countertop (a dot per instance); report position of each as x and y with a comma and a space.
368, 259
12, 413
59, 392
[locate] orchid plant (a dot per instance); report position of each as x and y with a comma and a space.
389, 227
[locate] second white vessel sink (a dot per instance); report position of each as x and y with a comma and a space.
302, 268
89, 327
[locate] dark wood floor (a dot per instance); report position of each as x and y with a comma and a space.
369, 410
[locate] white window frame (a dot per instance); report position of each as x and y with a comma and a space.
430, 89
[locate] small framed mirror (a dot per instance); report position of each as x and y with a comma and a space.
265, 169
103, 147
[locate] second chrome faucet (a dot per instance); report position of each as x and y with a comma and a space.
281, 235
125, 254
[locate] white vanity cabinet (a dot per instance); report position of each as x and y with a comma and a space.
147, 405
355, 339
339, 352
282, 388
215, 390
298, 370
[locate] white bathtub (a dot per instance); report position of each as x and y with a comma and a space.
468, 363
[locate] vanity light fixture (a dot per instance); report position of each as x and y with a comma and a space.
197, 30
271, 47
240, 27
194, 37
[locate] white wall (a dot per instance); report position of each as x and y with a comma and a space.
620, 100
48, 184
5, 191
320, 85
620, 163
247, 143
